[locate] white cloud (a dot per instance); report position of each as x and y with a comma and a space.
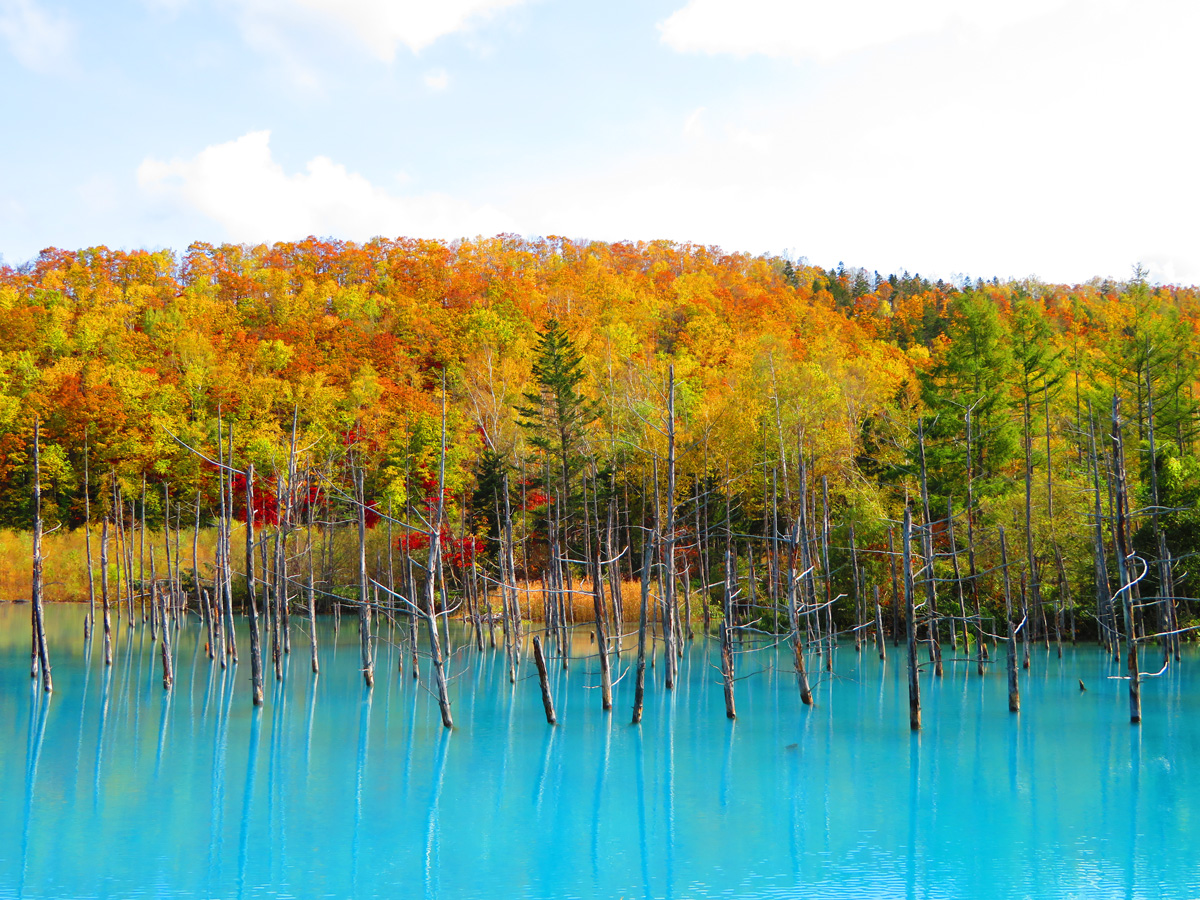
820, 29
1062, 150
382, 25
239, 186
39, 40
436, 80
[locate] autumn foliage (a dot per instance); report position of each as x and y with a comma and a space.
372, 345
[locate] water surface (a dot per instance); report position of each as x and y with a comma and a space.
116, 788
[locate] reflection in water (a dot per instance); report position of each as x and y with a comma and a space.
360, 773
598, 796
277, 792
432, 847
788, 800
914, 808
1135, 774
539, 792
87, 677
105, 681
727, 766
163, 717
668, 726
308, 728
256, 718
640, 787
39, 701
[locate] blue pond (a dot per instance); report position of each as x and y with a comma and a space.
115, 788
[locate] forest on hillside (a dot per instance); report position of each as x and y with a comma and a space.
606, 391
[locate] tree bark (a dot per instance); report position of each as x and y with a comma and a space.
544, 680
40, 655
639, 684
1123, 555
256, 673
914, 686
1014, 689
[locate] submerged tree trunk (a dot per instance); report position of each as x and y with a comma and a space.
104, 591
1123, 573
256, 673
639, 684
364, 603
880, 644
914, 686
935, 644
39, 654
90, 621
1105, 632
1014, 689
794, 591
160, 601
601, 632
544, 680
727, 673
435, 555
972, 572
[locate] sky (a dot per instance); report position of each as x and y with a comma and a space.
950, 138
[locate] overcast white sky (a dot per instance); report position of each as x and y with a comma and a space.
1010, 138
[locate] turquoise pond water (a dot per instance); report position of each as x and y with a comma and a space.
115, 788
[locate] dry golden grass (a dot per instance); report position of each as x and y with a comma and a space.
531, 596
65, 567
64, 555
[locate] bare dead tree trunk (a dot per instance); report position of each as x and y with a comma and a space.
827, 572
312, 600
879, 642
227, 556
935, 641
154, 619
639, 684
435, 648
1166, 605
544, 680
256, 673
166, 550
364, 602
119, 545
1123, 555
896, 596
1014, 689
1025, 622
104, 591
159, 600
40, 656
202, 595
435, 552
972, 572
601, 628
1034, 599
508, 587
859, 617
142, 550
614, 575
914, 686
958, 582
702, 538
89, 623
280, 577
727, 671
794, 592
669, 634
1107, 634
